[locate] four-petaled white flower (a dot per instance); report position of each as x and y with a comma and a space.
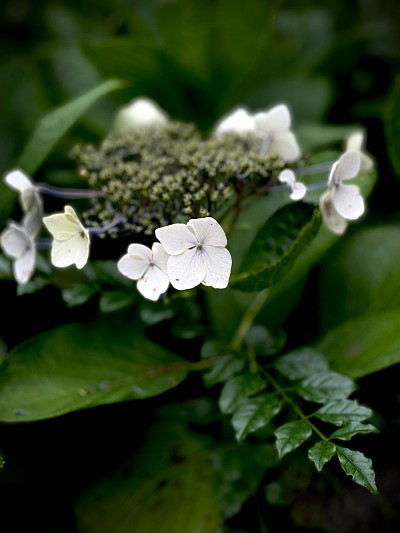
238, 122
18, 244
147, 266
141, 113
355, 142
342, 202
298, 189
197, 253
30, 200
71, 239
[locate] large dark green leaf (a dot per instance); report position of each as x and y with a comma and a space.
276, 246
79, 366
392, 126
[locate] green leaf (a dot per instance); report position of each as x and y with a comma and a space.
115, 300
238, 389
289, 436
364, 345
169, 485
313, 136
359, 467
325, 387
321, 453
78, 294
1, 462
276, 246
351, 429
254, 414
301, 363
79, 366
224, 369
392, 126
54, 125
343, 412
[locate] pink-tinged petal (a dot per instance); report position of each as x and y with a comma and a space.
218, 263
24, 266
133, 267
298, 191
140, 251
273, 121
348, 202
332, 220
176, 238
17, 180
153, 283
186, 270
208, 232
285, 145
160, 256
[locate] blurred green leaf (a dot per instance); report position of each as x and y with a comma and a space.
224, 369
324, 387
79, 366
238, 389
321, 453
301, 363
392, 126
315, 135
364, 345
359, 467
115, 300
78, 294
276, 246
353, 428
1, 462
341, 412
54, 125
291, 435
254, 414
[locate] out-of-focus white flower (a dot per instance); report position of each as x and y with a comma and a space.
355, 142
147, 266
298, 189
197, 253
342, 202
30, 200
238, 122
17, 244
71, 240
274, 126
141, 113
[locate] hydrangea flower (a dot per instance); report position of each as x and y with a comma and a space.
147, 266
355, 142
298, 189
239, 122
197, 253
17, 244
71, 239
30, 200
342, 202
141, 113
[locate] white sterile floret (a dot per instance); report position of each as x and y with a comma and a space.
197, 253
274, 126
346, 199
30, 200
17, 244
141, 113
238, 122
298, 189
355, 142
147, 266
331, 217
71, 239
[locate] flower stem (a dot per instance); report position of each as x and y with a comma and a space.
103, 229
248, 319
71, 194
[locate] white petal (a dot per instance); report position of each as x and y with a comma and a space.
330, 216
176, 238
141, 113
140, 251
287, 176
153, 283
348, 201
61, 227
32, 222
208, 231
355, 141
239, 122
298, 191
160, 256
18, 180
15, 241
346, 168
186, 270
74, 250
218, 263
133, 267
24, 266
273, 121
285, 145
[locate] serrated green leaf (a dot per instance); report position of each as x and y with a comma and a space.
238, 389
364, 345
276, 246
325, 387
392, 126
254, 414
79, 366
351, 429
359, 467
224, 369
343, 412
301, 363
290, 435
321, 453
54, 125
